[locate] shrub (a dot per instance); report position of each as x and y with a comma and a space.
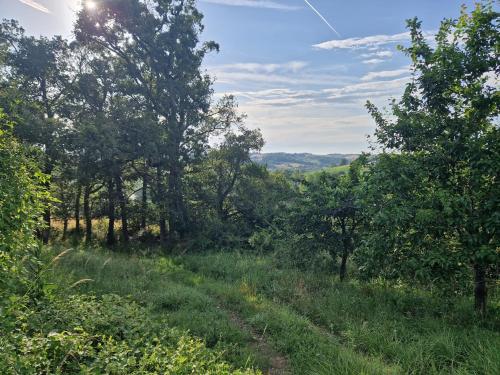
112, 335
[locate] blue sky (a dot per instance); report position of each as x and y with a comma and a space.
299, 81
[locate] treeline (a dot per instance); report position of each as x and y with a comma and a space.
124, 122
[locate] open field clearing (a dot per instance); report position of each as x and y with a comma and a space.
286, 321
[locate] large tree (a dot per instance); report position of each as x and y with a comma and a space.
158, 43
443, 176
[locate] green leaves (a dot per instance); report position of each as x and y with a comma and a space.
434, 202
109, 335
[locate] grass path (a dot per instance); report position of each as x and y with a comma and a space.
403, 330
278, 363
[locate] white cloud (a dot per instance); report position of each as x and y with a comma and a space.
291, 66
373, 61
367, 41
279, 74
385, 74
268, 4
347, 93
379, 54
369, 89
33, 4
317, 120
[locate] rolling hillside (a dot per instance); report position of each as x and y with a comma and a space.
303, 162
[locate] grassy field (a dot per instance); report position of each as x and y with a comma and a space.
284, 321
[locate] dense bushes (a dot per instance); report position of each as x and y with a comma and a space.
22, 198
111, 335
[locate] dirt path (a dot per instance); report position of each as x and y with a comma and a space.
278, 363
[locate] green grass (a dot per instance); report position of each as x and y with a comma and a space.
318, 324
156, 285
339, 169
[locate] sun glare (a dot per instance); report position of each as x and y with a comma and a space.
90, 5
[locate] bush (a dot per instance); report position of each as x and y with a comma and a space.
111, 335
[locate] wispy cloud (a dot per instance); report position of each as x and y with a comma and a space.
347, 93
322, 17
284, 74
369, 90
373, 61
269, 4
386, 74
317, 120
378, 54
291, 66
367, 41
35, 5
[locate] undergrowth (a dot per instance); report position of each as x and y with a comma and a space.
319, 324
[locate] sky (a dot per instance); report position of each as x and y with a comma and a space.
301, 70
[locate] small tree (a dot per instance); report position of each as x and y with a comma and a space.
327, 215
225, 167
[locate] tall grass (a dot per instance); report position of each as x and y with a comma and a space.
319, 324
405, 327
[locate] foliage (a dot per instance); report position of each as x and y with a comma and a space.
112, 335
434, 205
325, 217
21, 197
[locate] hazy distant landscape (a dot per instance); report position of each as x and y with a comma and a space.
304, 162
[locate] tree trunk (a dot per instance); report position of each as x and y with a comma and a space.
177, 209
144, 203
343, 265
87, 214
65, 228
345, 250
123, 208
110, 237
220, 209
163, 231
46, 229
160, 199
48, 167
77, 209
47, 214
480, 289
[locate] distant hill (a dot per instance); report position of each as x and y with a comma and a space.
302, 162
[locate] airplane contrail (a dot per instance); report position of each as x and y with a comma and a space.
321, 16
35, 5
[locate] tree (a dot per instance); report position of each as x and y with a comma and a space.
38, 71
63, 190
225, 167
158, 43
327, 215
444, 175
